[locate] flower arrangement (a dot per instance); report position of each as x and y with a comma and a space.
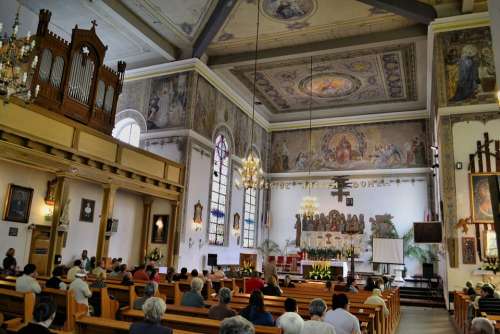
247, 268
155, 255
491, 264
321, 271
320, 254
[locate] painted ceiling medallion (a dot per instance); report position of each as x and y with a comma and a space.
288, 10
330, 85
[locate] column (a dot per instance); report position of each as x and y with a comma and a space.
494, 11
56, 237
146, 225
173, 236
108, 200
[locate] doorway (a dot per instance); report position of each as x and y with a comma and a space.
39, 251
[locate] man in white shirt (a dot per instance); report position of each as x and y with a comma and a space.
77, 267
376, 299
27, 282
339, 316
316, 325
81, 289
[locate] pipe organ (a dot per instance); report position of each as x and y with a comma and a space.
72, 77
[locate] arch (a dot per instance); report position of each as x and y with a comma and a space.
226, 131
135, 115
128, 131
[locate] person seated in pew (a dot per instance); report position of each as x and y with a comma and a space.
55, 282
469, 289
481, 326
290, 323
43, 315
153, 273
270, 268
255, 283
10, 263
193, 297
81, 289
194, 273
236, 325
154, 308
77, 267
141, 274
339, 316
93, 264
218, 274
317, 310
328, 286
349, 285
99, 283
27, 282
221, 310
85, 261
127, 279
255, 312
287, 282
272, 288
115, 273
291, 307
149, 291
100, 269
376, 299
182, 275
169, 277
370, 284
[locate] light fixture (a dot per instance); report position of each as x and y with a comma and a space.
15, 67
251, 171
309, 205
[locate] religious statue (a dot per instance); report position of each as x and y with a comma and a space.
298, 230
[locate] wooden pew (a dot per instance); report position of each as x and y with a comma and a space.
206, 326
17, 308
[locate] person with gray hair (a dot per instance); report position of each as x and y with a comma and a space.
193, 297
221, 310
236, 325
317, 310
290, 322
481, 326
149, 291
154, 308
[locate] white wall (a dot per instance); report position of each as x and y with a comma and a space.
26, 177
194, 255
465, 135
406, 201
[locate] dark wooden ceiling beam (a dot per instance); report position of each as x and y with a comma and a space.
411, 9
212, 27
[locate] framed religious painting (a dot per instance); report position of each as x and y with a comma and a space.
17, 204
480, 199
160, 229
87, 210
468, 250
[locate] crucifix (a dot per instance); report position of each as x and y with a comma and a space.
342, 184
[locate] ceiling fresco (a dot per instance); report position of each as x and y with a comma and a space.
368, 76
184, 18
294, 22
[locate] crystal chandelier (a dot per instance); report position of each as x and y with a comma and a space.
251, 171
309, 205
15, 66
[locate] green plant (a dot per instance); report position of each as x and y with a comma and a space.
268, 248
321, 271
155, 255
421, 253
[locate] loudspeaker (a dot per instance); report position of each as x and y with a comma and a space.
427, 270
212, 259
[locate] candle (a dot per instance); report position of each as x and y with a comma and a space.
37, 89
25, 77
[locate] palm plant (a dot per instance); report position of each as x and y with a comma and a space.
268, 248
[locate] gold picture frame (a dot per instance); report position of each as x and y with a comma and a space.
479, 193
17, 204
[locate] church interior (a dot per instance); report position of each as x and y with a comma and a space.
337, 154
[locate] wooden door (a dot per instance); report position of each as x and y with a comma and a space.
39, 252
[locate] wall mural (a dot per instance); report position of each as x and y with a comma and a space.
381, 75
468, 67
213, 109
167, 102
373, 146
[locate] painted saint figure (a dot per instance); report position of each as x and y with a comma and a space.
468, 74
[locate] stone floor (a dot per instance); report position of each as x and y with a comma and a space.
419, 320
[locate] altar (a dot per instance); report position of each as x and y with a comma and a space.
339, 267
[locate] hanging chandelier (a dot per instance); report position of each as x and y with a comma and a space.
15, 67
251, 171
309, 206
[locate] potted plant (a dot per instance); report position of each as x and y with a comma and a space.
268, 248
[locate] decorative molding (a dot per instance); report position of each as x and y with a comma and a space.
470, 109
354, 173
459, 22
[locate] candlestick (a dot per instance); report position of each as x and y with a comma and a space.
25, 77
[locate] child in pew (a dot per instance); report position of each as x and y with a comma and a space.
55, 282
153, 308
43, 315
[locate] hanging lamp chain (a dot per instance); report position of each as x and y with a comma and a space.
310, 120
255, 76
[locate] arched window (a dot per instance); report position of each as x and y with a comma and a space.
220, 191
128, 131
250, 218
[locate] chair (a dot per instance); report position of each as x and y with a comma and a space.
288, 265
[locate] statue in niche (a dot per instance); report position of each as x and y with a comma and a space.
298, 230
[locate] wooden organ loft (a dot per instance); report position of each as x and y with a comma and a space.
72, 76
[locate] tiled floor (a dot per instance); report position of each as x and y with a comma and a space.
418, 320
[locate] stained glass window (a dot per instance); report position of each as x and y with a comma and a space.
250, 218
219, 194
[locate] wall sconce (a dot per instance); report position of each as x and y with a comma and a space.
198, 213
48, 212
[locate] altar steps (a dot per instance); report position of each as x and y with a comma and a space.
413, 296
